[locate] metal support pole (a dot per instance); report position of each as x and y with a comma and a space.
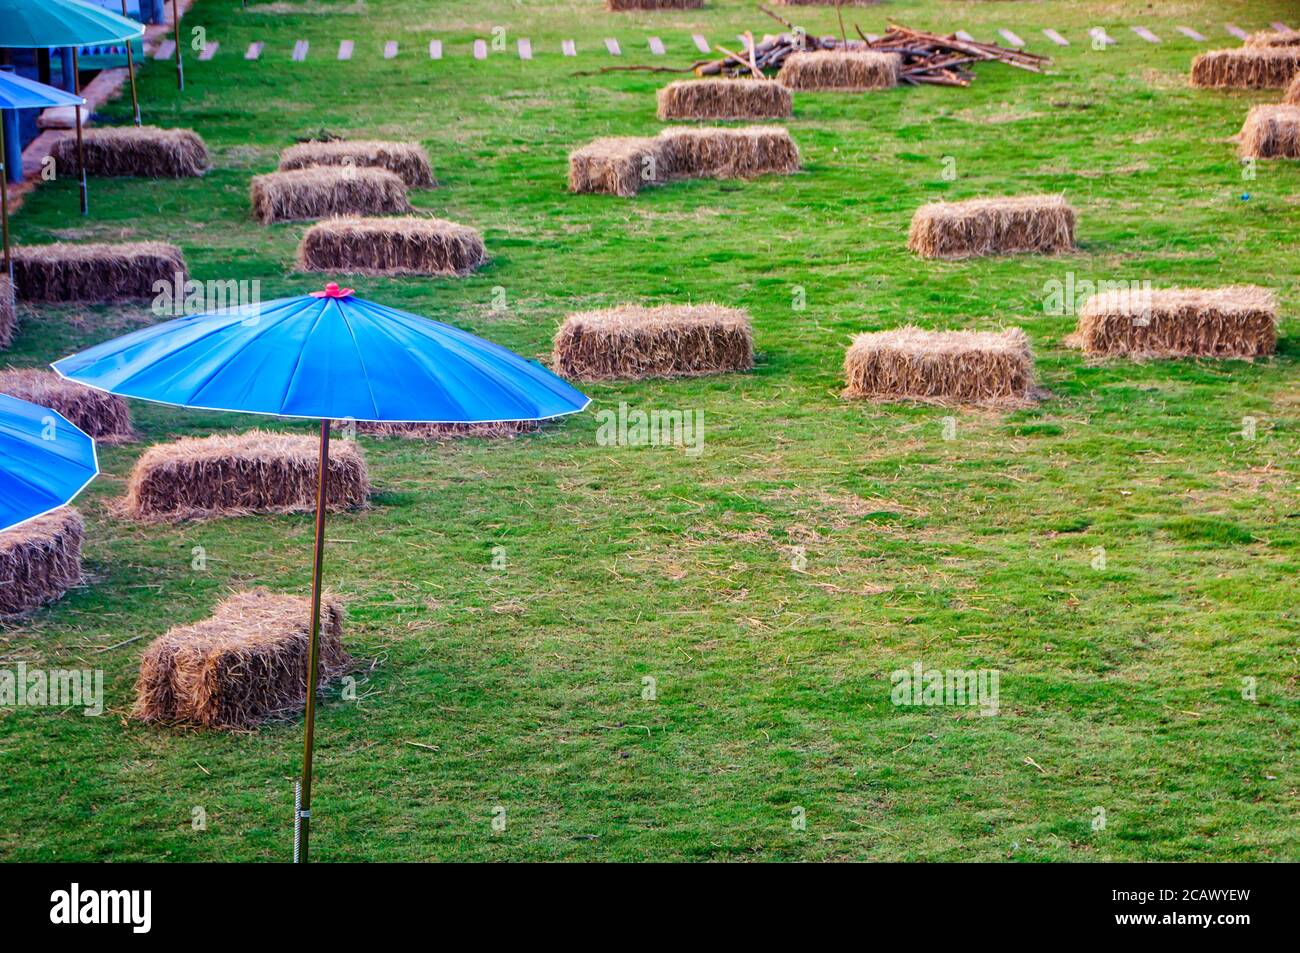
180, 69
309, 734
4, 207
81, 149
130, 72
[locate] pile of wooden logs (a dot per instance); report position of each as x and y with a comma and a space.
927, 57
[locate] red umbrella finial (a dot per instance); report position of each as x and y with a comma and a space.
332, 290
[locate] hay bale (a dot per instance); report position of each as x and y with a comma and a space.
441, 432
146, 152
40, 560
325, 191
1274, 38
1238, 321
1292, 95
8, 312
634, 342
721, 153
391, 246
103, 416
618, 165
724, 99
846, 71
1271, 132
95, 272
616, 6
1246, 67
255, 472
241, 666
406, 159
946, 367
1001, 226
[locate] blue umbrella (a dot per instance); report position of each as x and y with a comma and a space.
328, 356
17, 92
44, 461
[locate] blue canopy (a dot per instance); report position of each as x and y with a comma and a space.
18, 92
32, 24
44, 461
329, 356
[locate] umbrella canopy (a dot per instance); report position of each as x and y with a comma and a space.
18, 92
327, 356
44, 461
332, 356
47, 23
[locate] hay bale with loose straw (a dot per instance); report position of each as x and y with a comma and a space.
443, 432
1292, 95
724, 99
618, 165
8, 312
721, 153
391, 246
1271, 132
945, 367
1246, 67
407, 159
845, 71
1232, 322
243, 665
1000, 226
255, 472
616, 6
1274, 38
146, 152
99, 273
634, 342
326, 191
103, 416
40, 560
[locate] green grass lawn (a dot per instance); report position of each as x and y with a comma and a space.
522, 688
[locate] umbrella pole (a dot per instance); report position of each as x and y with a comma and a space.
303, 819
180, 70
4, 204
130, 71
81, 150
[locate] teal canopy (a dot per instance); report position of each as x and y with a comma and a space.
37, 24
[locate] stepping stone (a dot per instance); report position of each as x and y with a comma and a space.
525, 49
612, 46
345, 50
209, 50
1280, 26
390, 49
1056, 38
1011, 38
1145, 34
963, 35
165, 50
435, 49
568, 48
1237, 31
300, 49
254, 51
480, 50
657, 46
871, 38
1189, 32
1099, 33
701, 43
